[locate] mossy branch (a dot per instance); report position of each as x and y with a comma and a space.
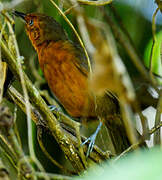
97, 155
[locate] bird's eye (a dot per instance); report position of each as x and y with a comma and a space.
31, 22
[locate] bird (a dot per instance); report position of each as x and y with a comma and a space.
66, 71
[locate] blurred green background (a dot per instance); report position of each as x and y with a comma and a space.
146, 167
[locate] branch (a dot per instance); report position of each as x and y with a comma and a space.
95, 3
97, 155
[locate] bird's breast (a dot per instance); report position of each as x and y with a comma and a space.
65, 80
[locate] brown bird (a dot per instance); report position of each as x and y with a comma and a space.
66, 70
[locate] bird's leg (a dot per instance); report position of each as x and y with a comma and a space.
92, 139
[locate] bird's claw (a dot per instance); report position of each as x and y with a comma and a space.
92, 139
54, 108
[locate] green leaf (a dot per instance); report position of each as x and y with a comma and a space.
156, 56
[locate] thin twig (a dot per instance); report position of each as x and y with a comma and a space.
157, 134
154, 129
80, 17
8, 149
95, 3
134, 146
15, 126
3, 67
154, 37
27, 168
70, 9
85, 35
127, 115
154, 40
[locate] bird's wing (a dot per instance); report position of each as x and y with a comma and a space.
82, 64
80, 61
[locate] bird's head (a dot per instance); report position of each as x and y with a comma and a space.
41, 28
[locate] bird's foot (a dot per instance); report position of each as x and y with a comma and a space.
54, 108
92, 139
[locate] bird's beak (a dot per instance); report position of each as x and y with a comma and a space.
19, 14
